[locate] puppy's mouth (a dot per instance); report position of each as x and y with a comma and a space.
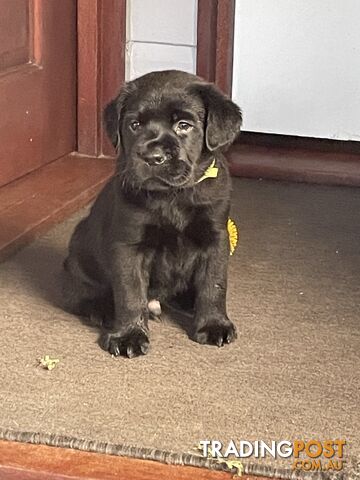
179, 180
174, 175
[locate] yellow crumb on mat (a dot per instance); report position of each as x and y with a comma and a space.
47, 362
233, 464
230, 464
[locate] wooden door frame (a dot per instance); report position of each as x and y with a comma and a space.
101, 69
215, 42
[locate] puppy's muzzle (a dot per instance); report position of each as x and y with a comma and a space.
156, 156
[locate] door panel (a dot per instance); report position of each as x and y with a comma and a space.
37, 84
14, 33
297, 67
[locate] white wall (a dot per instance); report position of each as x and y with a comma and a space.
161, 34
297, 67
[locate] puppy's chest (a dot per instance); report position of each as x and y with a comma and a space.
176, 214
177, 230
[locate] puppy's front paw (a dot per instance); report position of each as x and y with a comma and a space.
130, 344
216, 333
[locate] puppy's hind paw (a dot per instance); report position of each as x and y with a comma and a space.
131, 344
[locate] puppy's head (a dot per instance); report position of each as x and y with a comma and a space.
164, 123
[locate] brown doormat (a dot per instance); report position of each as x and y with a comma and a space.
293, 373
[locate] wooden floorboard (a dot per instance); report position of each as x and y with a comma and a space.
22, 461
34, 203
294, 164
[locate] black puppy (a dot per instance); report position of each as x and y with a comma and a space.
158, 230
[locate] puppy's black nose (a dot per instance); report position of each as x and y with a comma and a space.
156, 158
159, 158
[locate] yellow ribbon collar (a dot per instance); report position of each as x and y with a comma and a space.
210, 172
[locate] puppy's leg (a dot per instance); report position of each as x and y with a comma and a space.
78, 291
84, 296
212, 324
130, 278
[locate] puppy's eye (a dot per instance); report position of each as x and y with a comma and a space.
183, 127
134, 125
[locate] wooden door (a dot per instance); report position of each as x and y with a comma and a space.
37, 84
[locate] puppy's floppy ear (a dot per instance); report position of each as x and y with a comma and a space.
111, 121
112, 114
223, 117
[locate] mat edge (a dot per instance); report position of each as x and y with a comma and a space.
167, 457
